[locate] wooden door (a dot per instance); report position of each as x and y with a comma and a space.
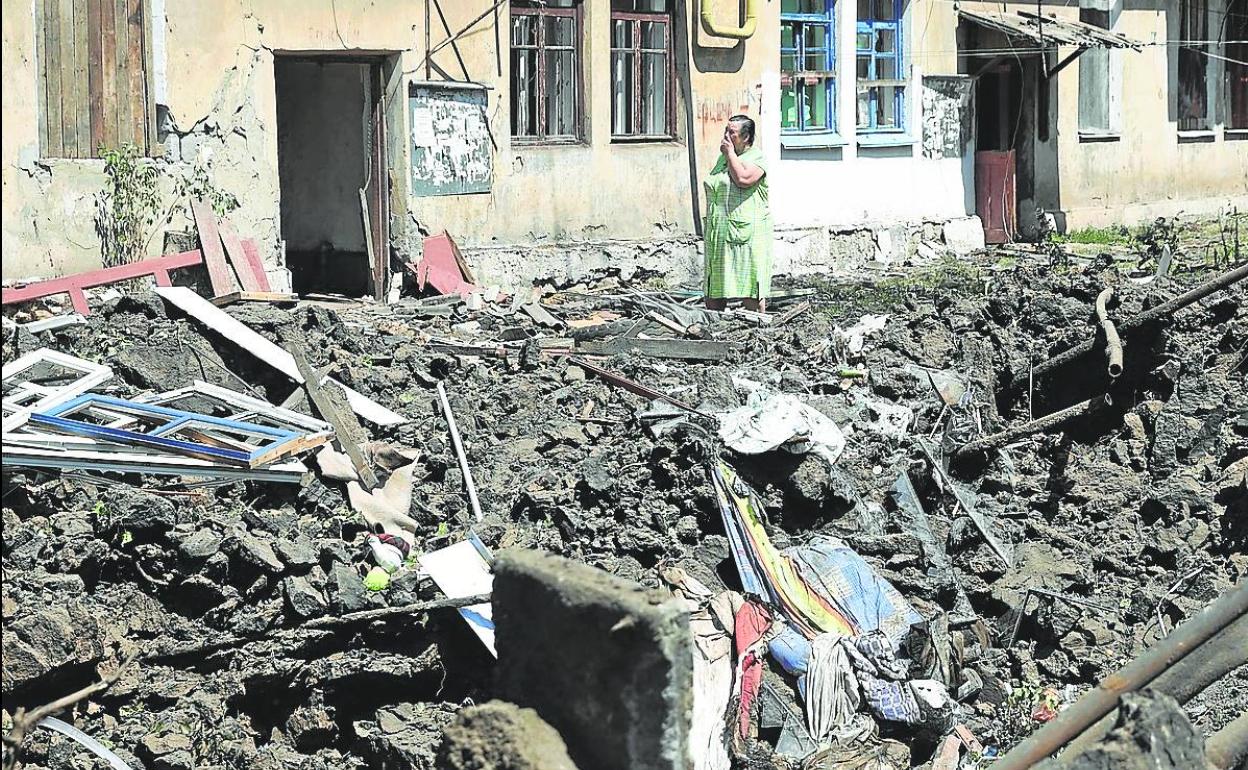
995, 194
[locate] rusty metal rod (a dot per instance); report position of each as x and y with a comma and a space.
1113, 343
1138, 673
1039, 425
1228, 746
1222, 281
1218, 656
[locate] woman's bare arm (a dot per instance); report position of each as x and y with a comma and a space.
743, 174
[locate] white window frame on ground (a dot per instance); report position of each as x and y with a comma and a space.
1100, 77
871, 87
797, 75
633, 99
534, 75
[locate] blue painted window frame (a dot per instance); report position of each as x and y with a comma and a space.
798, 52
869, 27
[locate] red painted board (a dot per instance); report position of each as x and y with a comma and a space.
214, 254
238, 260
74, 284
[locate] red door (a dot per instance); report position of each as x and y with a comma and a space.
995, 195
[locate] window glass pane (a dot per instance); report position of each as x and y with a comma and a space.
787, 62
815, 98
885, 10
653, 93
886, 106
621, 33
815, 61
621, 92
544, 3
885, 40
864, 41
788, 105
815, 35
654, 35
864, 10
523, 93
560, 30
863, 110
560, 93
864, 66
787, 33
523, 30
639, 6
886, 68
802, 6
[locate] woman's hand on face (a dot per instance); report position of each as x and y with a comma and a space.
725, 146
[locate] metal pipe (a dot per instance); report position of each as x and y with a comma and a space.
1217, 657
1039, 425
1138, 673
743, 32
1113, 343
1228, 746
459, 453
1166, 308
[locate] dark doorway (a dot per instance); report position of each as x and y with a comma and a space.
331, 167
999, 102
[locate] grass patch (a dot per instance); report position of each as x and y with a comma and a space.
948, 278
1101, 236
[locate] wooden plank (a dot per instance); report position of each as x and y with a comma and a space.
459, 258
235, 331
41, 85
154, 149
125, 125
237, 258
95, 74
252, 253
368, 246
69, 94
82, 90
687, 350
108, 73
210, 243
135, 72
272, 297
52, 37
330, 413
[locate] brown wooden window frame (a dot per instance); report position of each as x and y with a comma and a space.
637, 51
541, 12
109, 99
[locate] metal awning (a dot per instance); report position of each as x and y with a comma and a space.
1050, 30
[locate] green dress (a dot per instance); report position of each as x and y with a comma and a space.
738, 233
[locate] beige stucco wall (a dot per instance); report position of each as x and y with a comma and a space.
220, 95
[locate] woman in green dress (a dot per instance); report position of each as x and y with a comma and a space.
738, 222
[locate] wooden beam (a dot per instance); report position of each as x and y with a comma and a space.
237, 256
210, 243
272, 297
74, 284
329, 412
1064, 63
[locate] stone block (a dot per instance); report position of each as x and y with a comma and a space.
606, 662
964, 235
496, 735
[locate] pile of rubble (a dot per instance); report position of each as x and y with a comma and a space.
270, 624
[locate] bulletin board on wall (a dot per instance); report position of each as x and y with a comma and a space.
451, 147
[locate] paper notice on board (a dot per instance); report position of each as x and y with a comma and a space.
422, 127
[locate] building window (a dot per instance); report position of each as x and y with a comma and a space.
545, 70
1100, 85
807, 66
94, 89
641, 69
1236, 69
880, 47
1193, 95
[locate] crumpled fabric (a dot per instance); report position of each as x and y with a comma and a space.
889, 694
712, 692
832, 696
753, 621
832, 568
772, 420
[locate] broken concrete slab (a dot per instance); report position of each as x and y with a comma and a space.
567, 633
497, 735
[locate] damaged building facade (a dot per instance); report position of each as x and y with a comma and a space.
564, 137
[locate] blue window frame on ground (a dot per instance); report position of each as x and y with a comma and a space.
807, 66
880, 54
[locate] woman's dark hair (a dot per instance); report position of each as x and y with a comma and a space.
745, 127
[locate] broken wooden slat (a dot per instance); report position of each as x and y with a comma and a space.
791, 313
237, 258
327, 410
81, 83
74, 284
272, 297
108, 72
252, 254
210, 243
459, 452
378, 290
686, 350
663, 320
69, 89
621, 381
235, 331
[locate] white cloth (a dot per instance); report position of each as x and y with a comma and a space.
771, 420
832, 697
